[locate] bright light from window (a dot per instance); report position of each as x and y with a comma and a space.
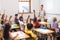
24, 6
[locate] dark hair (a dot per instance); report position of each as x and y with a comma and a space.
29, 26
16, 14
55, 19
2, 22
20, 18
39, 20
6, 31
42, 5
45, 20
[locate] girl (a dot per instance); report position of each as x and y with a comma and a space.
36, 23
6, 33
21, 23
10, 20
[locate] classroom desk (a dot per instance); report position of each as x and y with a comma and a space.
21, 35
43, 23
43, 31
12, 27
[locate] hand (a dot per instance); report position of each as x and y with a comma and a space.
28, 16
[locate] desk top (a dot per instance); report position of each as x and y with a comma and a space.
13, 27
21, 35
43, 31
43, 23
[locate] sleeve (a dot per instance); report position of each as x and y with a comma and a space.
26, 29
32, 34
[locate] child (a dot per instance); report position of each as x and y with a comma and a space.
28, 30
10, 20
21, 23
6, 33
36, 23
3, 20
54, 24
16, 19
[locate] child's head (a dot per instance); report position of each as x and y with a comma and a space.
54, 19
21, 18
41, 6
7, 26
16, 15
2, 22
6, 31
45, 20
29, 26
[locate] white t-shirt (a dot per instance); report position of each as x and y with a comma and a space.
21, 25
42, 13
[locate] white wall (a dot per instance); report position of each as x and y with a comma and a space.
57, 6
11, 6
35, 5
0, 6
51, 6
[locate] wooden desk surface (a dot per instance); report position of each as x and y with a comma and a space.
43, 31
12, 27
21, 35
43, 23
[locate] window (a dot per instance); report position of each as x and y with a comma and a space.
24, 5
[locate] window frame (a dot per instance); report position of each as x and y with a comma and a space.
29, 7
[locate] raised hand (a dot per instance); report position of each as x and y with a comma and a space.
34, 13
28, 16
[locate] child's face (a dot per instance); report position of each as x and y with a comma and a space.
21, 19
41, 7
